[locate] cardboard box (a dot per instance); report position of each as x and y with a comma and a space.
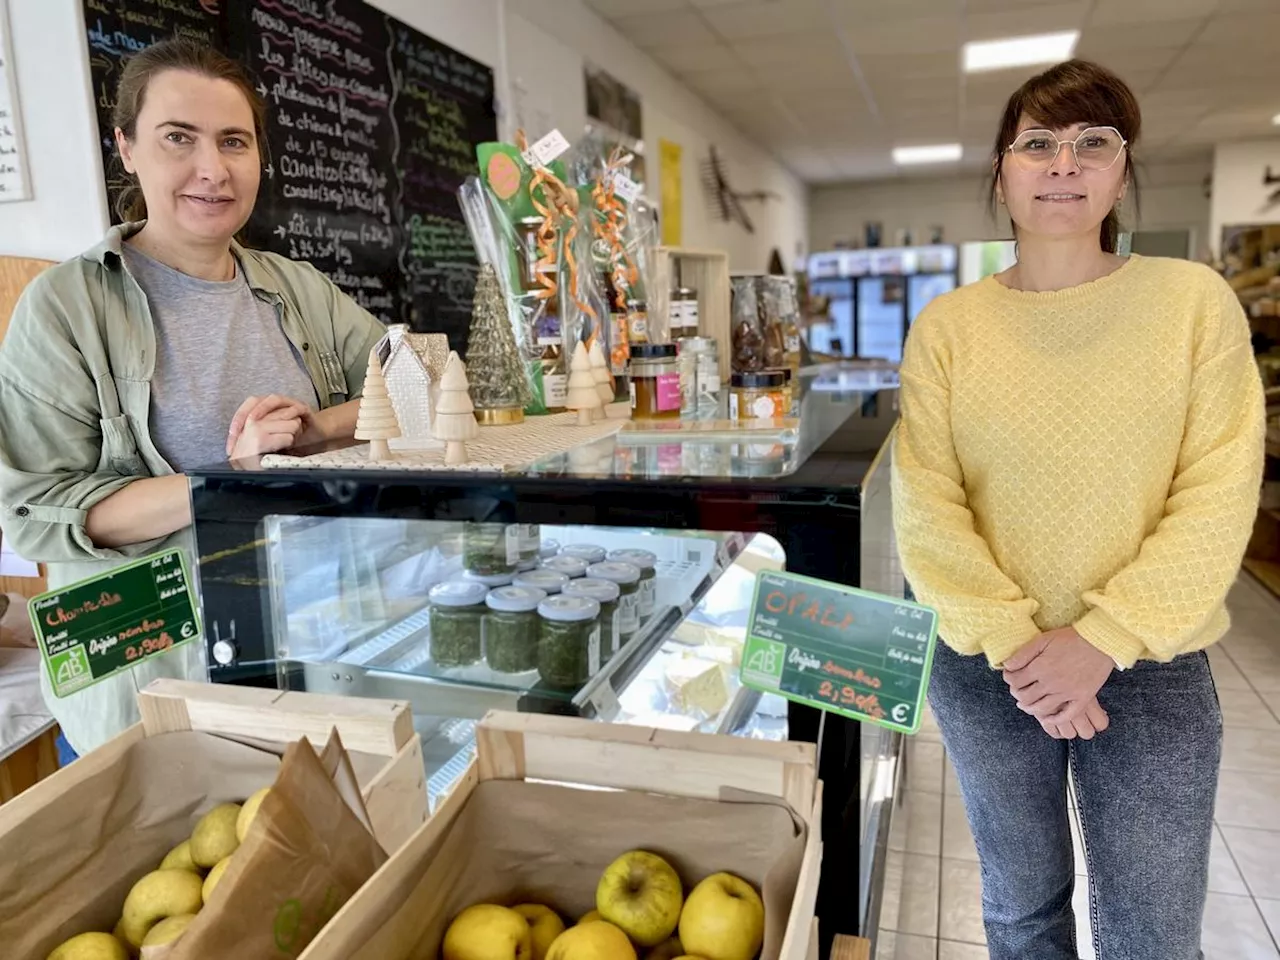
520, 827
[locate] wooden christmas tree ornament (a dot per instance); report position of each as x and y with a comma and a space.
582, 393
455, 421
376, 420
600, 374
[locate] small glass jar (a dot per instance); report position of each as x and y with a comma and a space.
568, 640
637, 321
606, 593
527, 253
758, 396
490, 548
457, 622
647, 563
655, 382
684, 313
549, 549
571, 567
584, 551
747, 346
548, 581
530, 537
511, 628
705, 354
627, 577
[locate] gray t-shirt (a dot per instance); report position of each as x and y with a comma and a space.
216, 345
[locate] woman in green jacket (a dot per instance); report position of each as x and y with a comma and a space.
166, 347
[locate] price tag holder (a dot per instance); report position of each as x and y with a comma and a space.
545, 150
858, 654
101, 626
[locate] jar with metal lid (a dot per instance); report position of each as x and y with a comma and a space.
647, 563
568, 640
705, 353
490, 548
548, 581
606, 593
684, 313
655, 382
757, 396
530, 536
511, 627
571, 567
584, 551
627, 577
638, 321
457, 622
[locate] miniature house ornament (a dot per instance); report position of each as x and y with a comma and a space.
455, 421
412, 364
376, 419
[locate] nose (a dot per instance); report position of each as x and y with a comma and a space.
210, 164
1065, 163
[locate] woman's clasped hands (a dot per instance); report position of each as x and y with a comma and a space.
1056, 678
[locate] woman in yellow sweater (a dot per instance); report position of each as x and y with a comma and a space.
1076, 474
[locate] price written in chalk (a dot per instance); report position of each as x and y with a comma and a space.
840, 649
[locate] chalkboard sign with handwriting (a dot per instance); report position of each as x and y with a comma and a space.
841, 649
372, 127
112, 622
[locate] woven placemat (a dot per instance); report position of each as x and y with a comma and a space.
495, 450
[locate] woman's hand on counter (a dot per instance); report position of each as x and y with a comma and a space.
278, 413
335, 423
146, 509
1057, 675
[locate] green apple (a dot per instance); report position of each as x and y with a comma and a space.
641, 893
723, 919
594, 940
488, 932
544, 926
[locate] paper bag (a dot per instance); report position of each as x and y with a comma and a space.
518, 842
309, 849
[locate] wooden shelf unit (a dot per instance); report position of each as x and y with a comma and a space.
707, 272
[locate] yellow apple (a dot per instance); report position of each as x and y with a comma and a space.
91, 946
723, 919
544, 926
589, 916
488, 932
641, 894
668, 949
248, 812
594, 940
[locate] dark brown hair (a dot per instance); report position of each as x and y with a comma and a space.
178, 53
1076, 91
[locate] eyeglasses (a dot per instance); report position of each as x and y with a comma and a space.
1096, 148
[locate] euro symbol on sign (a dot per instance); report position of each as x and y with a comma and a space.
900, 713
188, 630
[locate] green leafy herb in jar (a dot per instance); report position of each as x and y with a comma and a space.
511, 628
568, 640
490, 548
548, 581
627, 577
571, 567
457, 622
647, 563
607, 594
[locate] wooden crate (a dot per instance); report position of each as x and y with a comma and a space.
706, 271
512, 746
395, 793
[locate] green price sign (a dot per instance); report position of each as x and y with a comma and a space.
837, 648
108, 623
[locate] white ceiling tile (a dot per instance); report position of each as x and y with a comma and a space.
621, 8
1131, 61
652, 29
696, 59
1107, 12
1007, 6
730, 80
1139, 36
767, 18
1037, 18
794, 50
1258, 32
937, 35
904, 67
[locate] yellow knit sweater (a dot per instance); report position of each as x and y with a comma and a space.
1089, 456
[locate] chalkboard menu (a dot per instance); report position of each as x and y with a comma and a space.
372, 127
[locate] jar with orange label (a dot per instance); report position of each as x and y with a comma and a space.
758, 396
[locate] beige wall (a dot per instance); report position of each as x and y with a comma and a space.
1173, 197
1239, 195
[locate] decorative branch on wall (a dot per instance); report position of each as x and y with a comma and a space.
724, 202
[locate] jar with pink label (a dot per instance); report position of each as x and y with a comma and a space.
655, 382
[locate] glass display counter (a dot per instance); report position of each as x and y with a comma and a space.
320, 580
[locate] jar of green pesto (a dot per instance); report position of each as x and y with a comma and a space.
568, 640
647, 562
529, 536
511, 629
549, 582
571, 567
584, 551
607, 594
490, 548
457, 622
627, 577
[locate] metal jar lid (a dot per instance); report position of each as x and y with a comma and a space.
616, 571
762, 379
584, 551
544, 579
603, 591
515, 599
653, 351
644, 559
457, 593
569, 609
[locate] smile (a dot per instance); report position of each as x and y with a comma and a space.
1060, 197
210, 201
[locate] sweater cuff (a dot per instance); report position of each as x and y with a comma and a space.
1115, 641
1000, 645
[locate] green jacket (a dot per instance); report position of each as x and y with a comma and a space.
75, 395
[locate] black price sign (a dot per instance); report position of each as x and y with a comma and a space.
841, 649
108, 623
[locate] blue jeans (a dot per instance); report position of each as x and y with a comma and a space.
1144, 789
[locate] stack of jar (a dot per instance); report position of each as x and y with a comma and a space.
766, 348
564, 615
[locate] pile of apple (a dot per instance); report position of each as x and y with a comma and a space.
641, 912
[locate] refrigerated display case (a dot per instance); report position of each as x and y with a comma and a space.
318, 579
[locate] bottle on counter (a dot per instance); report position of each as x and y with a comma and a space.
655, 382
638, 322
551, 357
511, 627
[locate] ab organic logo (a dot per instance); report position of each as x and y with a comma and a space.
763, 660
71, 669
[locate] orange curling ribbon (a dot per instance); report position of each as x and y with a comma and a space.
608, 226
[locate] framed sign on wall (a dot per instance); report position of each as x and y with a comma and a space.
15, 184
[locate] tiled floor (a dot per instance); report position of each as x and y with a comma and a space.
933, 902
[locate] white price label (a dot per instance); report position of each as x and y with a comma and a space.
545, 150
593, 652
625, 187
